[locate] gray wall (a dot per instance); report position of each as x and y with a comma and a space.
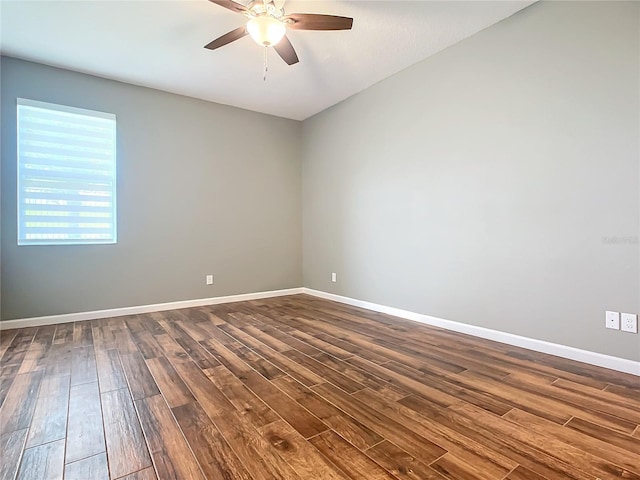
202, 188
484, 184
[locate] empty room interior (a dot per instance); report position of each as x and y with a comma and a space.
323, 240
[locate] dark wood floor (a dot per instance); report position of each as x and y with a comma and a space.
302, 388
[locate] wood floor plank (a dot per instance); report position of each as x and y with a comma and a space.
135, 324
126, 448
298, 417
215, 456
245, 401
85, 435
17, 409
494, 439
16, 351
347, 458
38, 349
124, 341
582, 369
547, 444
5, 385
82, 334
380, 345
83, 364
93, 468
225, 350
412, 385
322, 346
171, 455
486, 462
458, 358
140, 380
522, 473
44, 462
49, 420
191, 327
622, 401
532, 399
64, 334
297, 452
276, 358
359, 375
513, 364
328, 374
255, 453
110, 372
604, 434
169, 382
11, 446
145, 474
6, 337
303, 421
265, 368
600, 403
284, 337
347, 346
623, 391
59, 359
212, 330
606, 451
400, 464
381, 424
147, 345
454, 468
151, 322
347, 427
455, 389
269, 340
192, 347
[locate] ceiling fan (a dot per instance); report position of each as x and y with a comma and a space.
267, 25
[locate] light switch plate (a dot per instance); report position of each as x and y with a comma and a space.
629, 322
612, 320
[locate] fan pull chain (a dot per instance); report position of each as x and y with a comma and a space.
266, 67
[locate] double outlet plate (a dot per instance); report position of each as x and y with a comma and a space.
627, 322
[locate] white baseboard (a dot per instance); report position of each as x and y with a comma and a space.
585, 356
157, 307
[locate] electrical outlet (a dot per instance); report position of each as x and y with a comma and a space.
629, 322
209, 279
612, 320
334, 277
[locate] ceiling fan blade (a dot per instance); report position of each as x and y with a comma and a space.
286, 51
232, 36
312, 21
231, 5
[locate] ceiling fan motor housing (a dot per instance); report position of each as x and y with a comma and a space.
258, 7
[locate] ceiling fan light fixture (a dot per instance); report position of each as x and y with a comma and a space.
266, 30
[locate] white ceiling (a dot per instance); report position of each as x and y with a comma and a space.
159, 44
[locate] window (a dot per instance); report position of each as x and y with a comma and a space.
66, 175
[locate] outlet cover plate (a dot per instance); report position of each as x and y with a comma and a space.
629, 322
612, 320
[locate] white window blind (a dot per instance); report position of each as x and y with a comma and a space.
66, 175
